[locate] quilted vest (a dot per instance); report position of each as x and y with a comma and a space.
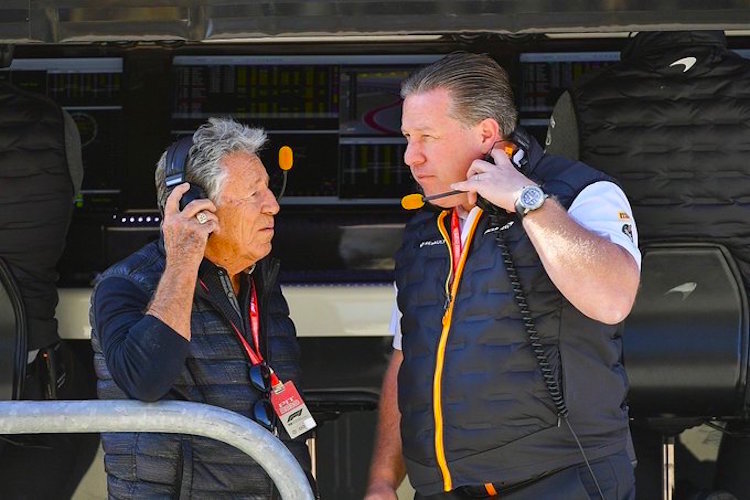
216, 373
675, 137
474, 407
36, 203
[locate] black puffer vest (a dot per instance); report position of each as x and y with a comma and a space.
474, 407
671, 123
216, 373
36, 203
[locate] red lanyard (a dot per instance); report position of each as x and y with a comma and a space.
255, 355
456, 240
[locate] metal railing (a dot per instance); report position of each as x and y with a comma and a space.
176, 417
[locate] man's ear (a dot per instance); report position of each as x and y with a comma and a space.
6, 55
491, 133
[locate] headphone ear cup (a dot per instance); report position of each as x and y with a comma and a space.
520, 157
194, 193
176, 161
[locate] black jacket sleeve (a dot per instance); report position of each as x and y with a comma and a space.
144, 355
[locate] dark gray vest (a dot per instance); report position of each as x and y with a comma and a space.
677, 141
499, 423
216, 373
36, 203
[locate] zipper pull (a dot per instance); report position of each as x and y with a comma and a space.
448, 284
445, 308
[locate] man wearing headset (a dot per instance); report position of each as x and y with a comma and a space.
198, 316
507, 377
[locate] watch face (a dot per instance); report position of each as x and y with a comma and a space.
532, 197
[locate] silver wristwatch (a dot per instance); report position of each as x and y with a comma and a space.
530, 199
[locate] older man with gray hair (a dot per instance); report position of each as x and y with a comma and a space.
198, 316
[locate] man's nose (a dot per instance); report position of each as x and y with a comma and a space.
271, 204
413, 155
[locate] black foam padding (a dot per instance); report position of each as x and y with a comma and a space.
686, 340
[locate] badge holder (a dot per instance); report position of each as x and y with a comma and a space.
291, 409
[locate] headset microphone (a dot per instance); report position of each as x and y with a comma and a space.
416, 200
286, 160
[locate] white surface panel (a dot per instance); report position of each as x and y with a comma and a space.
317, 310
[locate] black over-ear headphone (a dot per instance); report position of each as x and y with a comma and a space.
518, 154
176, 161
520, 157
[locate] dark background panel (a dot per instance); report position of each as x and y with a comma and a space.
348, 177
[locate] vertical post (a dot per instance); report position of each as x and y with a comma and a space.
312, 447
667, 479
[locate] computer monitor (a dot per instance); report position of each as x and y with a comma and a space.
341, 114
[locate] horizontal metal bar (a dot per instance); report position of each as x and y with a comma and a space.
175, 417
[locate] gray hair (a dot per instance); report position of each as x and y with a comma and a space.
479, 88
211, 143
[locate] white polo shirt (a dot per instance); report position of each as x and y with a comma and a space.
601, 207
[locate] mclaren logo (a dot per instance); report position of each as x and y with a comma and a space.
431, 243
685, 289
687, 62
495, 228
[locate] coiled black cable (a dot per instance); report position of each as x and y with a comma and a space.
499, 219
528, 322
